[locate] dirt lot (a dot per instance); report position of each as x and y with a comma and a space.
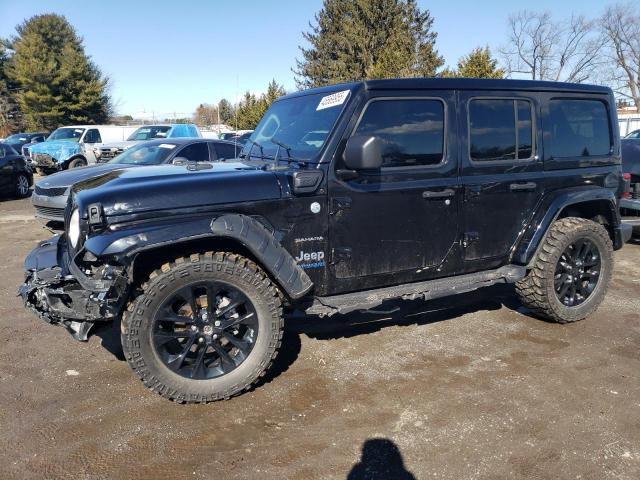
465, 387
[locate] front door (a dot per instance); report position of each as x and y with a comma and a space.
399, 223
502, 173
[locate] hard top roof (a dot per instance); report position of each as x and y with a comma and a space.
456, 84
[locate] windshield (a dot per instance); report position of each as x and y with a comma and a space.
300, 125
148, 133
16, 138
634, 134
145, 154
67, 133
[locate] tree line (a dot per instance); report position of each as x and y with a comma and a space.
47, 79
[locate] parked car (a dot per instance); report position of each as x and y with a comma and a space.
633, 135
73, 146
18, 140
50, 194
16, 176
240, 136
107, 151
630, 204
421, 188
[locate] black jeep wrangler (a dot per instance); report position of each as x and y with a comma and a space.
343, 198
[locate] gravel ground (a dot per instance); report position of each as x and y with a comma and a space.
466, 387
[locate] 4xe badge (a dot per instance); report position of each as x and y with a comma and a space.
310, 259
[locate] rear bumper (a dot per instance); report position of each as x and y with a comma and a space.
59, 292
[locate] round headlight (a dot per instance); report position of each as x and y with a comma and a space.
74, 228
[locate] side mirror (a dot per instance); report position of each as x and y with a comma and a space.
180, 161
363, 152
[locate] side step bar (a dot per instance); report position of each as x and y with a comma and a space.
428, 290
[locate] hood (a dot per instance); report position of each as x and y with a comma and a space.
176, 187
75, 175
124, 144
58, 149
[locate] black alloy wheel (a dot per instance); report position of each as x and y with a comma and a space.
577, 272
205, 330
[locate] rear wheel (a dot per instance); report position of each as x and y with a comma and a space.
205, 327
571, 272
22, 185
77, 162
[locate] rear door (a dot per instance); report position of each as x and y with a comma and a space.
6, 168
502, 173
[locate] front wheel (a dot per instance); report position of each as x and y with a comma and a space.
205, 327
571, 272
77, 162
22, 185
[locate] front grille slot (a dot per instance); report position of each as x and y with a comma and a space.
50, 192
50, 211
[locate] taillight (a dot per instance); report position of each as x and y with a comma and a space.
626, 193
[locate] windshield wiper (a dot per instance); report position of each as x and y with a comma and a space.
256, 144
280, 145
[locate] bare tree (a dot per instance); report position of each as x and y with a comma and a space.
621, 27
543, 49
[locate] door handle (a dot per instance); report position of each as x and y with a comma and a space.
431, 195
523, 187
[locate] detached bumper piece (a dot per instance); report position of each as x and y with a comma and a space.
60, 293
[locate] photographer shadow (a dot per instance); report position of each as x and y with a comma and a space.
381, 459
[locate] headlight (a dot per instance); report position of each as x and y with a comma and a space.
74, 228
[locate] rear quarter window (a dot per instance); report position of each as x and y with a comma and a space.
579, 128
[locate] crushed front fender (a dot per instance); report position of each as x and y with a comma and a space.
60, 293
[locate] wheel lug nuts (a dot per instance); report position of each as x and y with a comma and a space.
200, 340
214, 336
217, 323
194, 328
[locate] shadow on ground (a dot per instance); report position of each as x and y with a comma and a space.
389, 314
381, 459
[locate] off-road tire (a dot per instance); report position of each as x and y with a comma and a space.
232, 269
536, 291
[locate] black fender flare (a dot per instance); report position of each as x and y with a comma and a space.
125, 244
271, 254
549, 210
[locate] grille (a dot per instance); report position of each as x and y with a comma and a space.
109, 153
50, 211
50, 192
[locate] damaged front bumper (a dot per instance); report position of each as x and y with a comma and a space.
60, 292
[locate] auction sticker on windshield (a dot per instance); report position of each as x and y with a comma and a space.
333, 100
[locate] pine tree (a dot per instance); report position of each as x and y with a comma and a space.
479, 64
251, 108
10, 118
364, 39
226, 110
59, 84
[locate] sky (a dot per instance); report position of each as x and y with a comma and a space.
167, 57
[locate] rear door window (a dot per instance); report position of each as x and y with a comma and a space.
196, 152
411, 130
500, 129
579, 128
226, 151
